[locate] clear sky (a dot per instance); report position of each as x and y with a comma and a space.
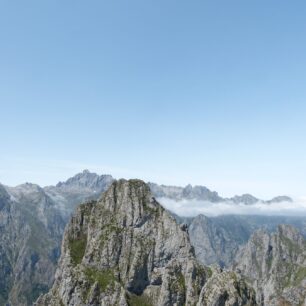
176, 92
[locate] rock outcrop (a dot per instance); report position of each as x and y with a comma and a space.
126, 249
275, 265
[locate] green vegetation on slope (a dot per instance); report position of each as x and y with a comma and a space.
138, 300
77, 249
104, 278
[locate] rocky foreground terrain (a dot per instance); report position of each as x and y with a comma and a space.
126, 249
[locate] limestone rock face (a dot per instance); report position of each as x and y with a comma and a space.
126, 249
275, 264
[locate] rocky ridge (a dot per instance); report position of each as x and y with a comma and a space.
202, 193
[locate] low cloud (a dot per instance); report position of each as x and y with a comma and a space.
191, 208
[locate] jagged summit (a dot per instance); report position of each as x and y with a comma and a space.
86, 179
126, 249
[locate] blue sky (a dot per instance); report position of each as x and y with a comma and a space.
177, 92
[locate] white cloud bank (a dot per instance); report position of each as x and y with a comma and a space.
191, 208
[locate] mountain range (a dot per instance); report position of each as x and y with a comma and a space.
33, 219
202, 193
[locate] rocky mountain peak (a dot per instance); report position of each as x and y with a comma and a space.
200, 193
126, 249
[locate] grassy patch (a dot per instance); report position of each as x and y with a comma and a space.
269, 262
138, 300
77, 249
104, 278
181, 282
299, 276
209, 272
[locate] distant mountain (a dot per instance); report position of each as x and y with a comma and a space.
86, 180
188, 192
275, 265
279, 199
82, 186
246, 199
90, 185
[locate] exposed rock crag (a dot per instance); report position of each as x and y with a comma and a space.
126, 249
